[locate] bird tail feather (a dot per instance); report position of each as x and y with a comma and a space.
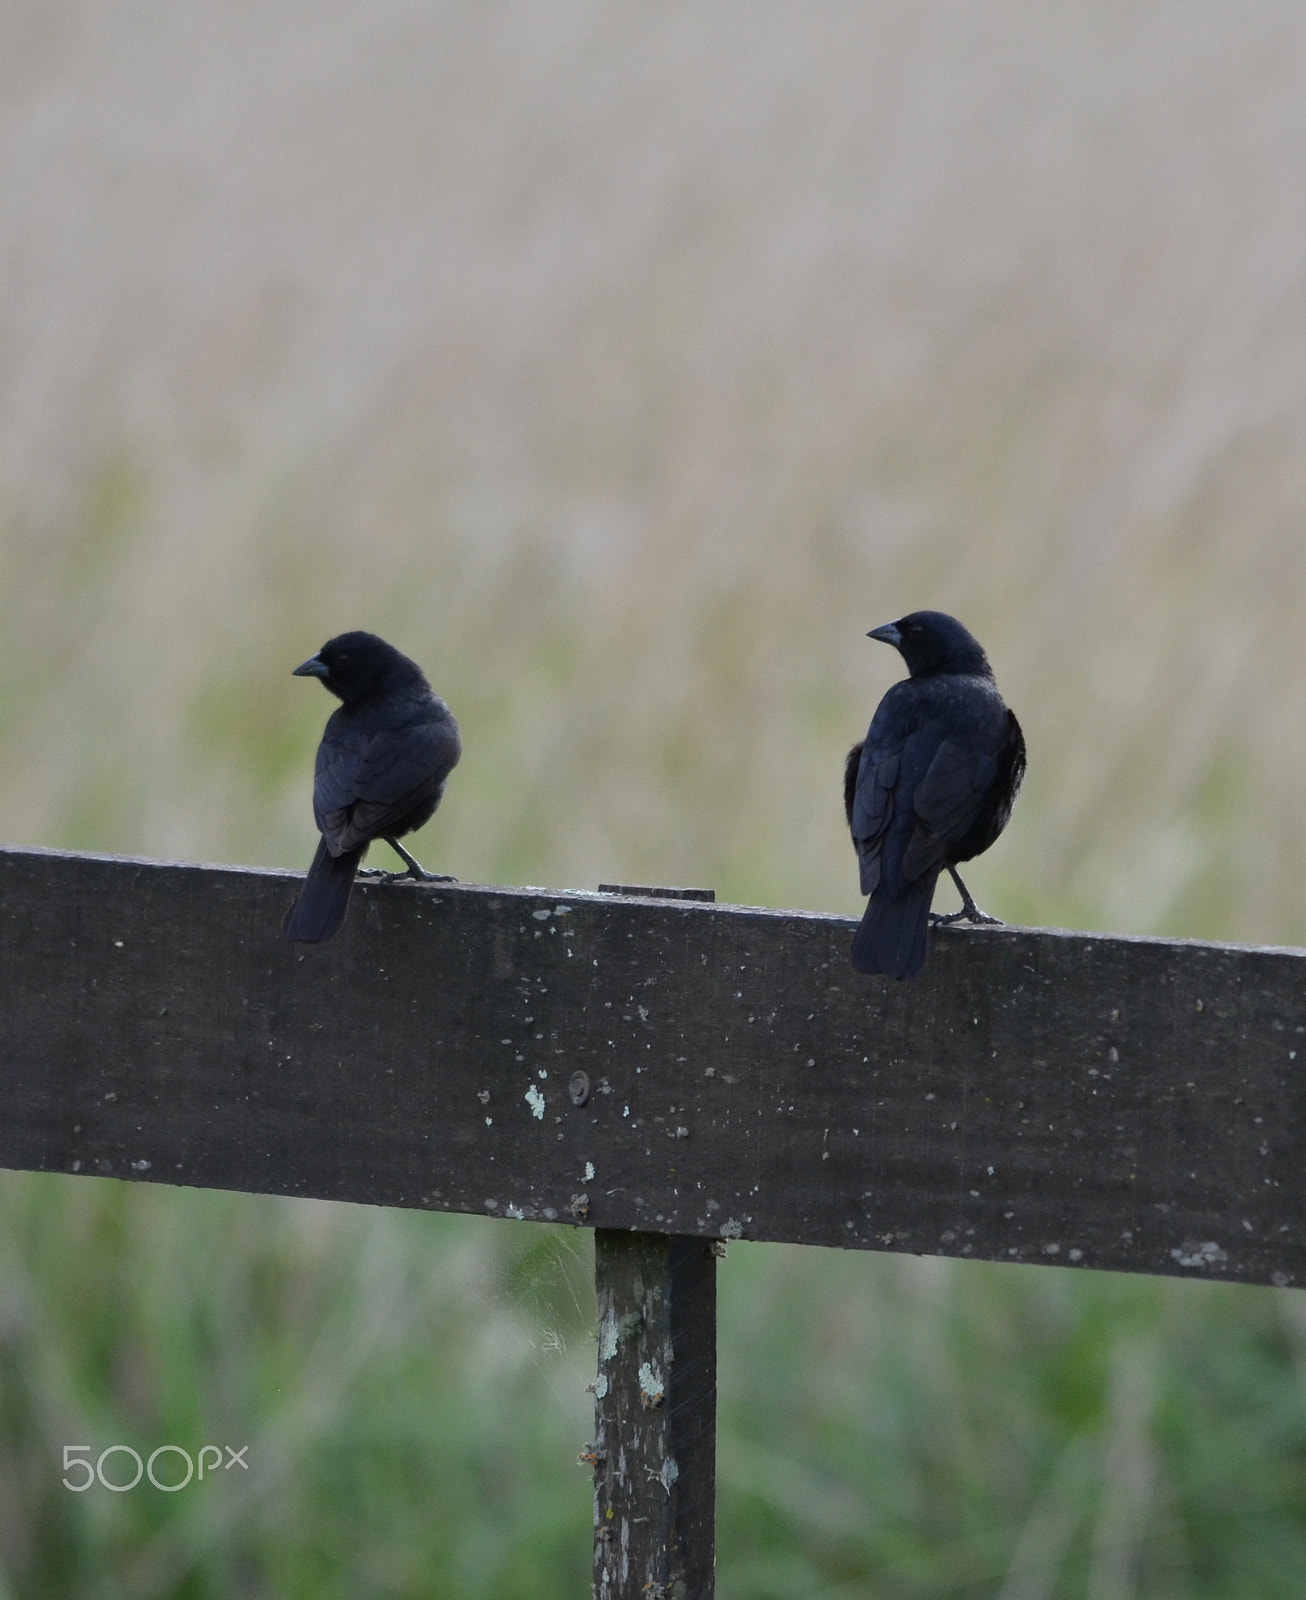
324, 899
894, 934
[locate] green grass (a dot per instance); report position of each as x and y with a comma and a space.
412, 1392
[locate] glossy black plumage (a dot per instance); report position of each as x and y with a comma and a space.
932, 785
381, 769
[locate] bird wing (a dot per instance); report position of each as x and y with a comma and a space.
873, 801
946, 802
401, 760
365, 784
339, 757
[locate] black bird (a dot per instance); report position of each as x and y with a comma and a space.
932, 784
380, 772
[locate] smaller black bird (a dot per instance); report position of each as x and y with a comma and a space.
932, 784
381, 769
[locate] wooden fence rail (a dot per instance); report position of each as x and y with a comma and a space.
680, 1070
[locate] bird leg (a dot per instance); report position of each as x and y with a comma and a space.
414, 870
969, 912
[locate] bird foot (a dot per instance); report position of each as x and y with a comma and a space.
414, 871
415, 875
966, 914
969, 912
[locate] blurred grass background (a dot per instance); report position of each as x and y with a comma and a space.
624, 367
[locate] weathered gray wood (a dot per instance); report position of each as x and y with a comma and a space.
663, 1065
654, 1450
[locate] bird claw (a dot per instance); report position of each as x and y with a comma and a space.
966, 914
414, 871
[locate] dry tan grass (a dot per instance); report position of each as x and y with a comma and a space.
625, 367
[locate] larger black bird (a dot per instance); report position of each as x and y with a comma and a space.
932, 784
381, 769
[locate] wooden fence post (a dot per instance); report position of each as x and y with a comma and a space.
654, 1451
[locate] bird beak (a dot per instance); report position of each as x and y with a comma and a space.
312, 668
888, 634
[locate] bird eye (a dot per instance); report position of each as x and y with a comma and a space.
342, 657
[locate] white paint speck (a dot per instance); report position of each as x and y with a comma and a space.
535, 1100
589, 1172
1205, 1254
